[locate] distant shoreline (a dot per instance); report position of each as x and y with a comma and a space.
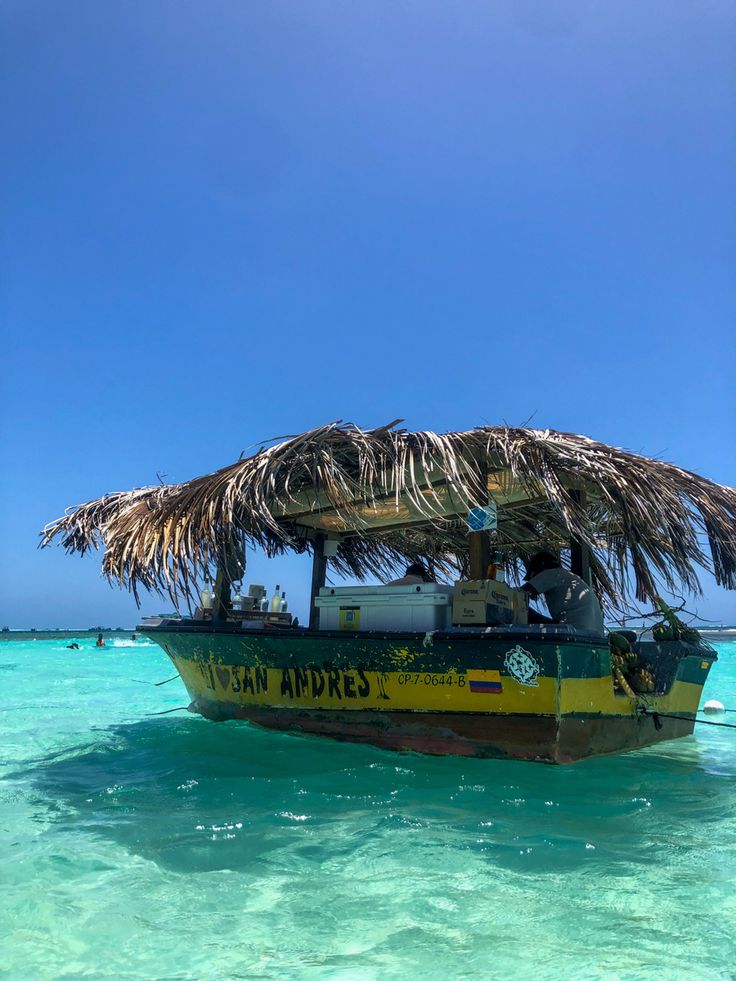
726, 630
65, 634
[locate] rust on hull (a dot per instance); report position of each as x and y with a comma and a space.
543, 739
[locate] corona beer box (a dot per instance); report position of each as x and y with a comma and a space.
484, 601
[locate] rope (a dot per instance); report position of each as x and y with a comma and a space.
182, 708
702, 722
156, 684
159, 683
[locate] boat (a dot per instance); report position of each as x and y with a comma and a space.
451, 668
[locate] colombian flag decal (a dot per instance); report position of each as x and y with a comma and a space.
485, 682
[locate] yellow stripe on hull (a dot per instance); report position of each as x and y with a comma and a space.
597, 695
357, 690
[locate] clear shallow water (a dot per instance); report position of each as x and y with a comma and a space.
136, 846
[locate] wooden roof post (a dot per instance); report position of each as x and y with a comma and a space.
221, 599
579, 551
319, 574
479, 544
479, 554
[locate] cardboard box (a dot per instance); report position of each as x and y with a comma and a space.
489, 602
488, 590
481, 613
521, 607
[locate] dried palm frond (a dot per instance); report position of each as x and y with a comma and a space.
647, 522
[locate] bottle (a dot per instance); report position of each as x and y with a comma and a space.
284, 605
206, 597
237, 601
495, 569
276, 600
264, 604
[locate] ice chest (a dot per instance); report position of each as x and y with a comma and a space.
483, 601
420, 607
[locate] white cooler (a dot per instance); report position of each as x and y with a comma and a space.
421, 607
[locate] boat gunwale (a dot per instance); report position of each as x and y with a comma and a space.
419, 636
681, 649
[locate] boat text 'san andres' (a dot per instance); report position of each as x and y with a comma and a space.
428, 667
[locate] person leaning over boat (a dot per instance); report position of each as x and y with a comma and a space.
569, 598
416, 573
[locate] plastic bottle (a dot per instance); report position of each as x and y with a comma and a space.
264, 604
206, 598
284, 605
276, 600
238, 601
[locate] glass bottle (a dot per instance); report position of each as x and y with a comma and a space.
284, 605
276, 600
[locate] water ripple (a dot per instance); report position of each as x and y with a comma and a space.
174, 847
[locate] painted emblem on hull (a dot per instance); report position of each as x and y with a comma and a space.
521, 665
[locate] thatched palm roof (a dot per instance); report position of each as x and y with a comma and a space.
390, 495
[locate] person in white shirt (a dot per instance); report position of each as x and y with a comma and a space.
569, 598
416, 573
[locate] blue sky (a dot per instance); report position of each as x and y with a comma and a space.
228, 221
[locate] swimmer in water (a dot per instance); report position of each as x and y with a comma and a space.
72, 647
100, 641
133, 637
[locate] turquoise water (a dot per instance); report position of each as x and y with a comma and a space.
143, 846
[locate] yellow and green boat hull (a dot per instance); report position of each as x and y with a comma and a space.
513, 694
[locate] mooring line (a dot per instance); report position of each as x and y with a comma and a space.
159, 683
700, 722
156, 684
180, 708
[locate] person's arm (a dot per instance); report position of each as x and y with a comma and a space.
528, 588
540, 583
